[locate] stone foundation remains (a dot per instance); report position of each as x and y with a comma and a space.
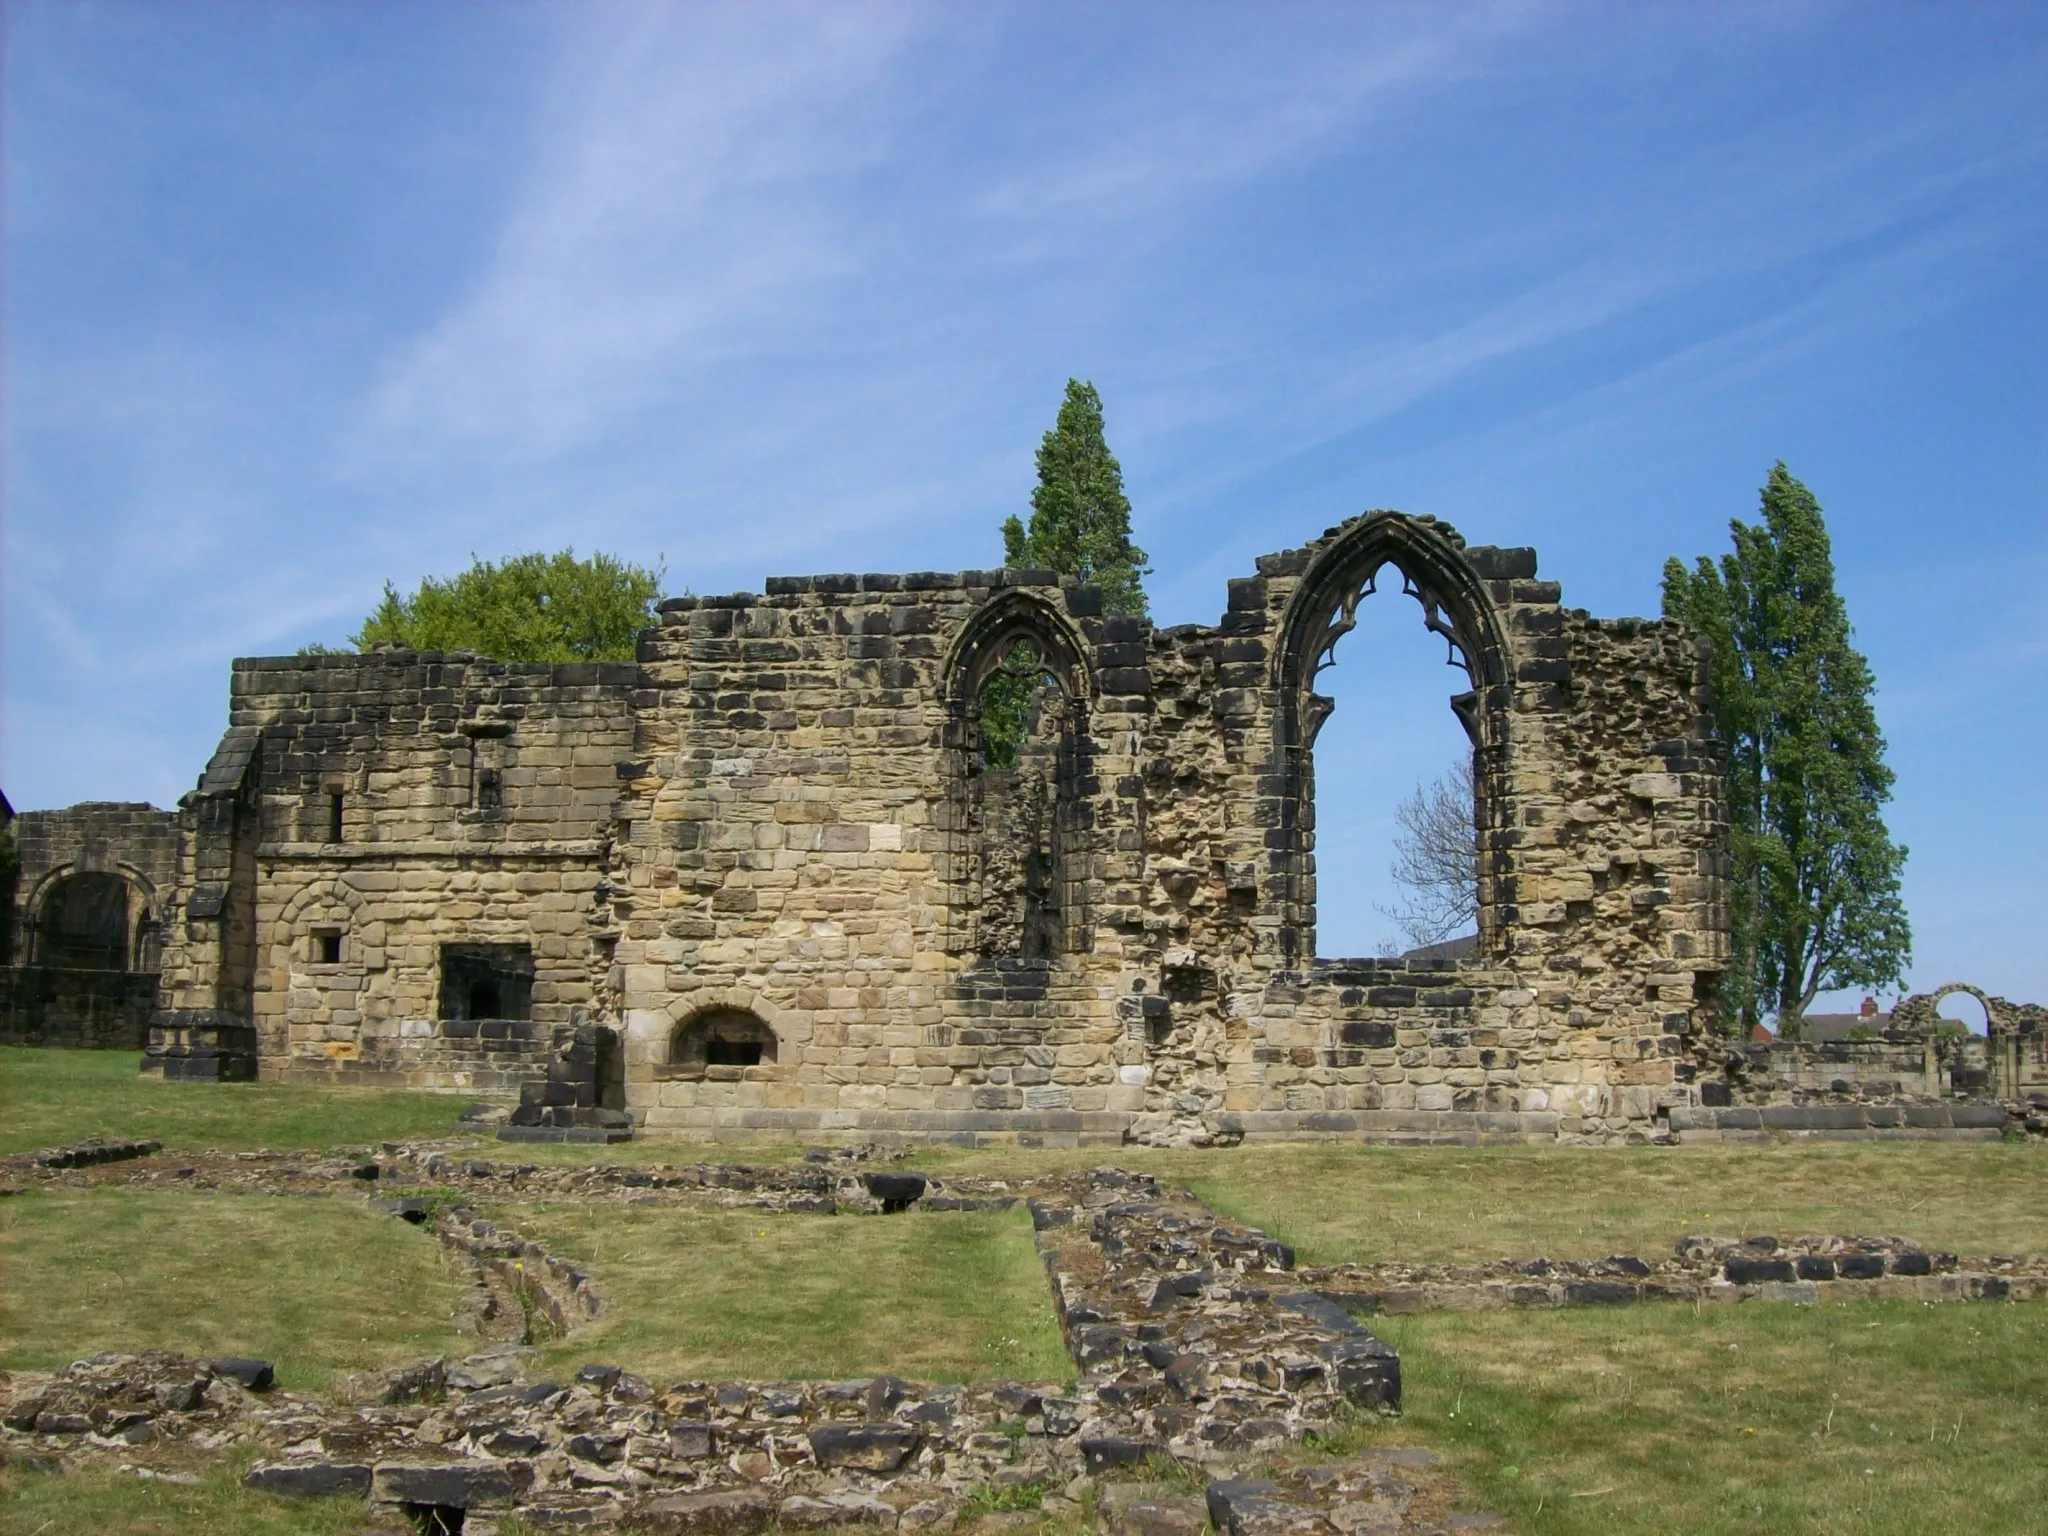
1197, 1345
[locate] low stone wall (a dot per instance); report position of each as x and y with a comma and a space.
1884, 1068
1702, 1270
96, 1150
88, 1010
482, 1056
1920, 1120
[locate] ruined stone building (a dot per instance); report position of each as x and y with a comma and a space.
782, 875
84, 931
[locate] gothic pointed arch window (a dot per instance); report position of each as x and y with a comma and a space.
1019, 693
1444, 828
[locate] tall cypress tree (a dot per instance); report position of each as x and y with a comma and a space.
1815, 894
1080, 518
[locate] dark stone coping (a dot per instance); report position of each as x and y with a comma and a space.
604, 1135
1963, 1120
570, 674
86, 1153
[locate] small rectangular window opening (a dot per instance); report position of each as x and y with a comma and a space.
490, 789
487, 981
334, 802
327, 946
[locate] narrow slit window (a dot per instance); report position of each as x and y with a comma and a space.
334, 806
487, 770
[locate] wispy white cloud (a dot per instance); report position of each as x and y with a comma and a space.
707, 188
1237, 98
679, 194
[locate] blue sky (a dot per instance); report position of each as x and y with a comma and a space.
300, 298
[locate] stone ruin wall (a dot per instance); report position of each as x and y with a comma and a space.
1920, 1059
53, 994
807, 845
1602, 859
783, 813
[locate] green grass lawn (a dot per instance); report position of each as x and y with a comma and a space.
107, 1503
316, 1286
691, 1294
49, 1098
1859, 1419
1366, 1205
1379, 1204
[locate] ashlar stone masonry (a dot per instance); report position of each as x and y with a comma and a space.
785, 863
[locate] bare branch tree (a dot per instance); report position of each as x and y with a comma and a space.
1436, 859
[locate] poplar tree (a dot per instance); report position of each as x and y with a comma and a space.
1080, 518
1815, 889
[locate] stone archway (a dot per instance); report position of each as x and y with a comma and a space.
1430, 560
1922, 1011
87, 920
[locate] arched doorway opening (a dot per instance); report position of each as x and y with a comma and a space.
1962, 1006
82, 923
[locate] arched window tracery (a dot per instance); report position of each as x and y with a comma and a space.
1325, 608
1019, 693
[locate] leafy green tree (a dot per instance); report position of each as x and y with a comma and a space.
528, 608
1815, 893
1080, 518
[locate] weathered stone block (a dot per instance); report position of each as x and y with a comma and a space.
308, 1479
864, 1447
